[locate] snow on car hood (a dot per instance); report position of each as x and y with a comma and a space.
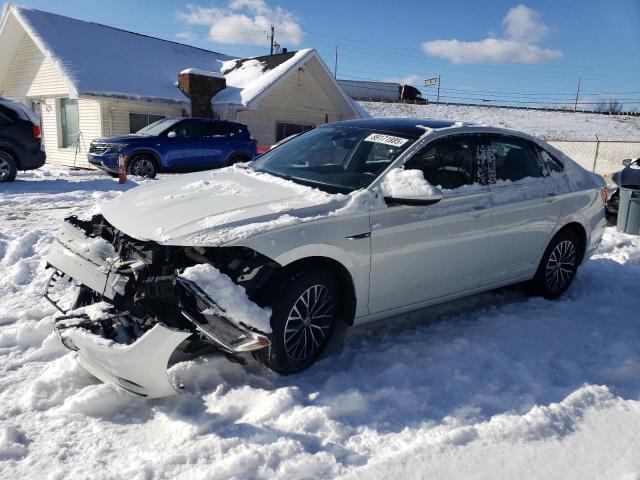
215, 207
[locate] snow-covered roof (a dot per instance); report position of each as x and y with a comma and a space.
102, 60
249, 77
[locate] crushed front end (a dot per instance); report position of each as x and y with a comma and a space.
154, 315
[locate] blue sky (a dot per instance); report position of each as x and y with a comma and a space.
499, 50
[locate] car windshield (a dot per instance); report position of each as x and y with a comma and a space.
156, 128
336, 159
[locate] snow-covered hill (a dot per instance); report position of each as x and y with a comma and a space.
496, 386
548, 125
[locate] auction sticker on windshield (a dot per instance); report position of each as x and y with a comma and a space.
386, 139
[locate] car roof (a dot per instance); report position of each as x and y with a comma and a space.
411, 127
203, 119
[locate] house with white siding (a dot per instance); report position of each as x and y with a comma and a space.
86, 80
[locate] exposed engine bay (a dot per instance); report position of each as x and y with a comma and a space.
147, 299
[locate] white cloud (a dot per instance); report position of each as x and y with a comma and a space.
523, 30
245, 22
524, 24
186, 36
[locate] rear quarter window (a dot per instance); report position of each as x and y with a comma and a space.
548, 163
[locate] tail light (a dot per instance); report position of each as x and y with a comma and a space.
37, 132
604, 194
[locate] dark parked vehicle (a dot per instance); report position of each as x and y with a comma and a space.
175, 145
21, 145
628, 177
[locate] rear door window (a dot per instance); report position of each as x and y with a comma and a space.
447, 163
514, 159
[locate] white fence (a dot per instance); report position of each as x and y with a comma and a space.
603, 157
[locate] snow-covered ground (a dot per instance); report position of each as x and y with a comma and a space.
496, 386
547, 125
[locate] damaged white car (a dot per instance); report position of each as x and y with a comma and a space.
349, 222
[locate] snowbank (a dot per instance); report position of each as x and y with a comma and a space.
497, 385
230, 297
546, 125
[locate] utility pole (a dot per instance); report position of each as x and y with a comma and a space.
335, 65
575, 105
438, 97
272, 38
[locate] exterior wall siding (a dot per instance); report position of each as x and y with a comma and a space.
298, 99
115, 114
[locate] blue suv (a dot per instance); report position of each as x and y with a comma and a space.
175, 145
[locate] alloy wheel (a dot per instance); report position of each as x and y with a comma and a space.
308, 323
143, 167
561, 265
5, 169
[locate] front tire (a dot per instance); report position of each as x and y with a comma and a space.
142, 166
304, 314
558, 266
8, 167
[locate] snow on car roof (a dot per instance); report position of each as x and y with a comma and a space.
98, 59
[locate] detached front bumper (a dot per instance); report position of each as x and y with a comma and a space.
139, 366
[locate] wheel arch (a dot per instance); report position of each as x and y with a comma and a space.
338, 271
578, 229
238, 153
155, 157
11, 150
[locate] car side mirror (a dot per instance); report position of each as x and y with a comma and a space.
408, 187
627, 162
172, 134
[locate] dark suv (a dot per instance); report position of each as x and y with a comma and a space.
21, 145
175, 145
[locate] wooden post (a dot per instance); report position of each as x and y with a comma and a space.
122, 168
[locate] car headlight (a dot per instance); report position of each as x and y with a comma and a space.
115, 147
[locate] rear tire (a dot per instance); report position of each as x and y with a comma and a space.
142, 166
8, 167
237, 159
305, 309
558, 266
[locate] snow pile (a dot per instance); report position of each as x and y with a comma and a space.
230, 297
401, 183
546, 125
496, 385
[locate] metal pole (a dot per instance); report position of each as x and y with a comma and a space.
595, 157
335, 65
438, 97
575, 106
272, 38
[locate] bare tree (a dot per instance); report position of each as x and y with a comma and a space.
609, 106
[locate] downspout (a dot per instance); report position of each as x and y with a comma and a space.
111, 119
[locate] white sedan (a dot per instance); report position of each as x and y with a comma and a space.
350, 222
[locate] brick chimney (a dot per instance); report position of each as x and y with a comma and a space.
200, 87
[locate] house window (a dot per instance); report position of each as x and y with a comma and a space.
284, 130
137, 121
69, 122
